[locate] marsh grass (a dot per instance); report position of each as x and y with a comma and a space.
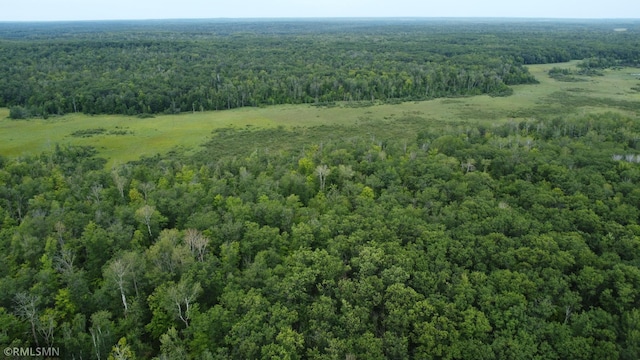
147, 136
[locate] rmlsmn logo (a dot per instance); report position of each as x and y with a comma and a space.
32, 351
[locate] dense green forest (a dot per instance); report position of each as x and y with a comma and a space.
151, 67
409, 238
517, 241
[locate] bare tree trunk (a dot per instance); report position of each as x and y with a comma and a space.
119, 270
26, 309
119, 180
96, 346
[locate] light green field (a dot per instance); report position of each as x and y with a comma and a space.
187, 131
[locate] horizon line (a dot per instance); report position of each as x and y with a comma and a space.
361, 18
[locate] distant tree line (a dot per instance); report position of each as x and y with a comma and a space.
137, 68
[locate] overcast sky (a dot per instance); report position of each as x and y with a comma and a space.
38, 10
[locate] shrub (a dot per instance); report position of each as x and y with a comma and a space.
18, 112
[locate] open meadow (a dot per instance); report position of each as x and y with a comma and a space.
125, 138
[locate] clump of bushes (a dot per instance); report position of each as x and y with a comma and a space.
19, 112
562, 74
88, 132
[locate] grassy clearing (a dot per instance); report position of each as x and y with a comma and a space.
125, 138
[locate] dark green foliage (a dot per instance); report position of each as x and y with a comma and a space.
598, 63
88, 132
563, 74
18, 112
568, 75
466, 241
515, 242
149, 68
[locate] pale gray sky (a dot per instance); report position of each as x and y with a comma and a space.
46, 10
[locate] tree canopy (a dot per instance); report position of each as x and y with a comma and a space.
514, 242
149, 67
461, 240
